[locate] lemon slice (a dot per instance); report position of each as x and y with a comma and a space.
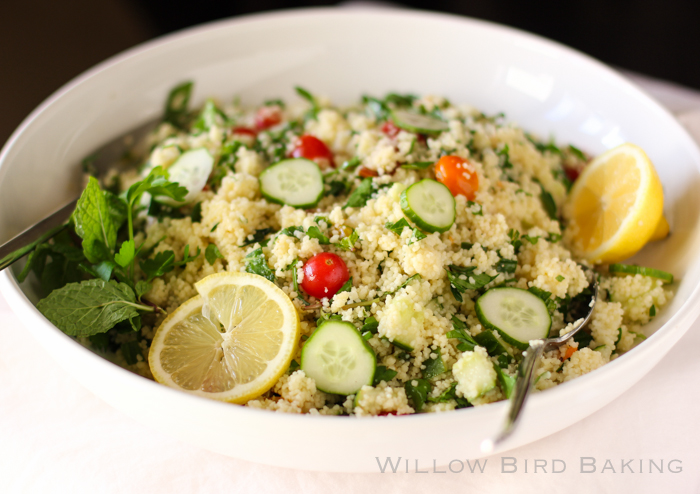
615, 205
661, 231
232, 342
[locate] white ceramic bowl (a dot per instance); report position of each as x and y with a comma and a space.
546, 88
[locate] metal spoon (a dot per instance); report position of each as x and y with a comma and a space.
526, 372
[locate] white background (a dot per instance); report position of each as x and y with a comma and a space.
57, 437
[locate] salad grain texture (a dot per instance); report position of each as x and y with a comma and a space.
411, 292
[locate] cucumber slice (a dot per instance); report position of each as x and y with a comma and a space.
518, 315
651, 272
296, 182
430, 205
191, 170
474, 373
421, 124
338, 358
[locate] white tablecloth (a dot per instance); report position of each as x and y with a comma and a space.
57, 437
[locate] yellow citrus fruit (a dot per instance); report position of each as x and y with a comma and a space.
232, 342
615, 205
662, 230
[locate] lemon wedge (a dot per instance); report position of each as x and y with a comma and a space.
662, 230
232, 342
615, 205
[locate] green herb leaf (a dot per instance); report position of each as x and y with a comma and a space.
652, 311
258, 237
398, 226
157, 185
90, 307
418, 165
382, 373
448, 395
213, 228
545, 296
417, 392
547, 202
466, 245
463, 279
553, 238
560, 278
117, 209
466, 342
505, 155
315, 232
162, 263
256, 263
348, 243
347, 286
506, 381
506, 266
196, 214
434, 366
494, 348
104, 270
126, 253
370, 324
475, 208
212, 253
351, 164
208, 117
583, 338
360, 195
176, 104
142, 288
577, 152
293, 366
93, 223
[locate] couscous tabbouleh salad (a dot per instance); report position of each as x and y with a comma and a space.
418, 245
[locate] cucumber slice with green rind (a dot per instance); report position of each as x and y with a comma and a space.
338, 358
430, 205
191, 170
518, 315
632, 270
295, 182
415, 122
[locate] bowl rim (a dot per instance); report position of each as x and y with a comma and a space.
13, 292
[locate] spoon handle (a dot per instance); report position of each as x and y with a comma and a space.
523, 384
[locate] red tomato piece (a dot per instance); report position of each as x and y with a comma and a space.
324, 275
244, 131
365, 172
571, 173
390, 129
314, 149
268, 116
458, 175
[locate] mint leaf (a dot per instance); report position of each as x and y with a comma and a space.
212, 253
162, 263
93, 223
117, 209
126, 254
142, 288
91, 307
104, 270
156, 184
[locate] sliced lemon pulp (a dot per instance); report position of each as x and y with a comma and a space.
232, 342
615, 205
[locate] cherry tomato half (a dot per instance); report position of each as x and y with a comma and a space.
268, 116
365, 172
324, 275
312, 148
458, 175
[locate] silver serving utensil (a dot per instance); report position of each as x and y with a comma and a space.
118, 153
526, 372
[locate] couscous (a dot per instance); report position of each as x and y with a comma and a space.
406, 278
